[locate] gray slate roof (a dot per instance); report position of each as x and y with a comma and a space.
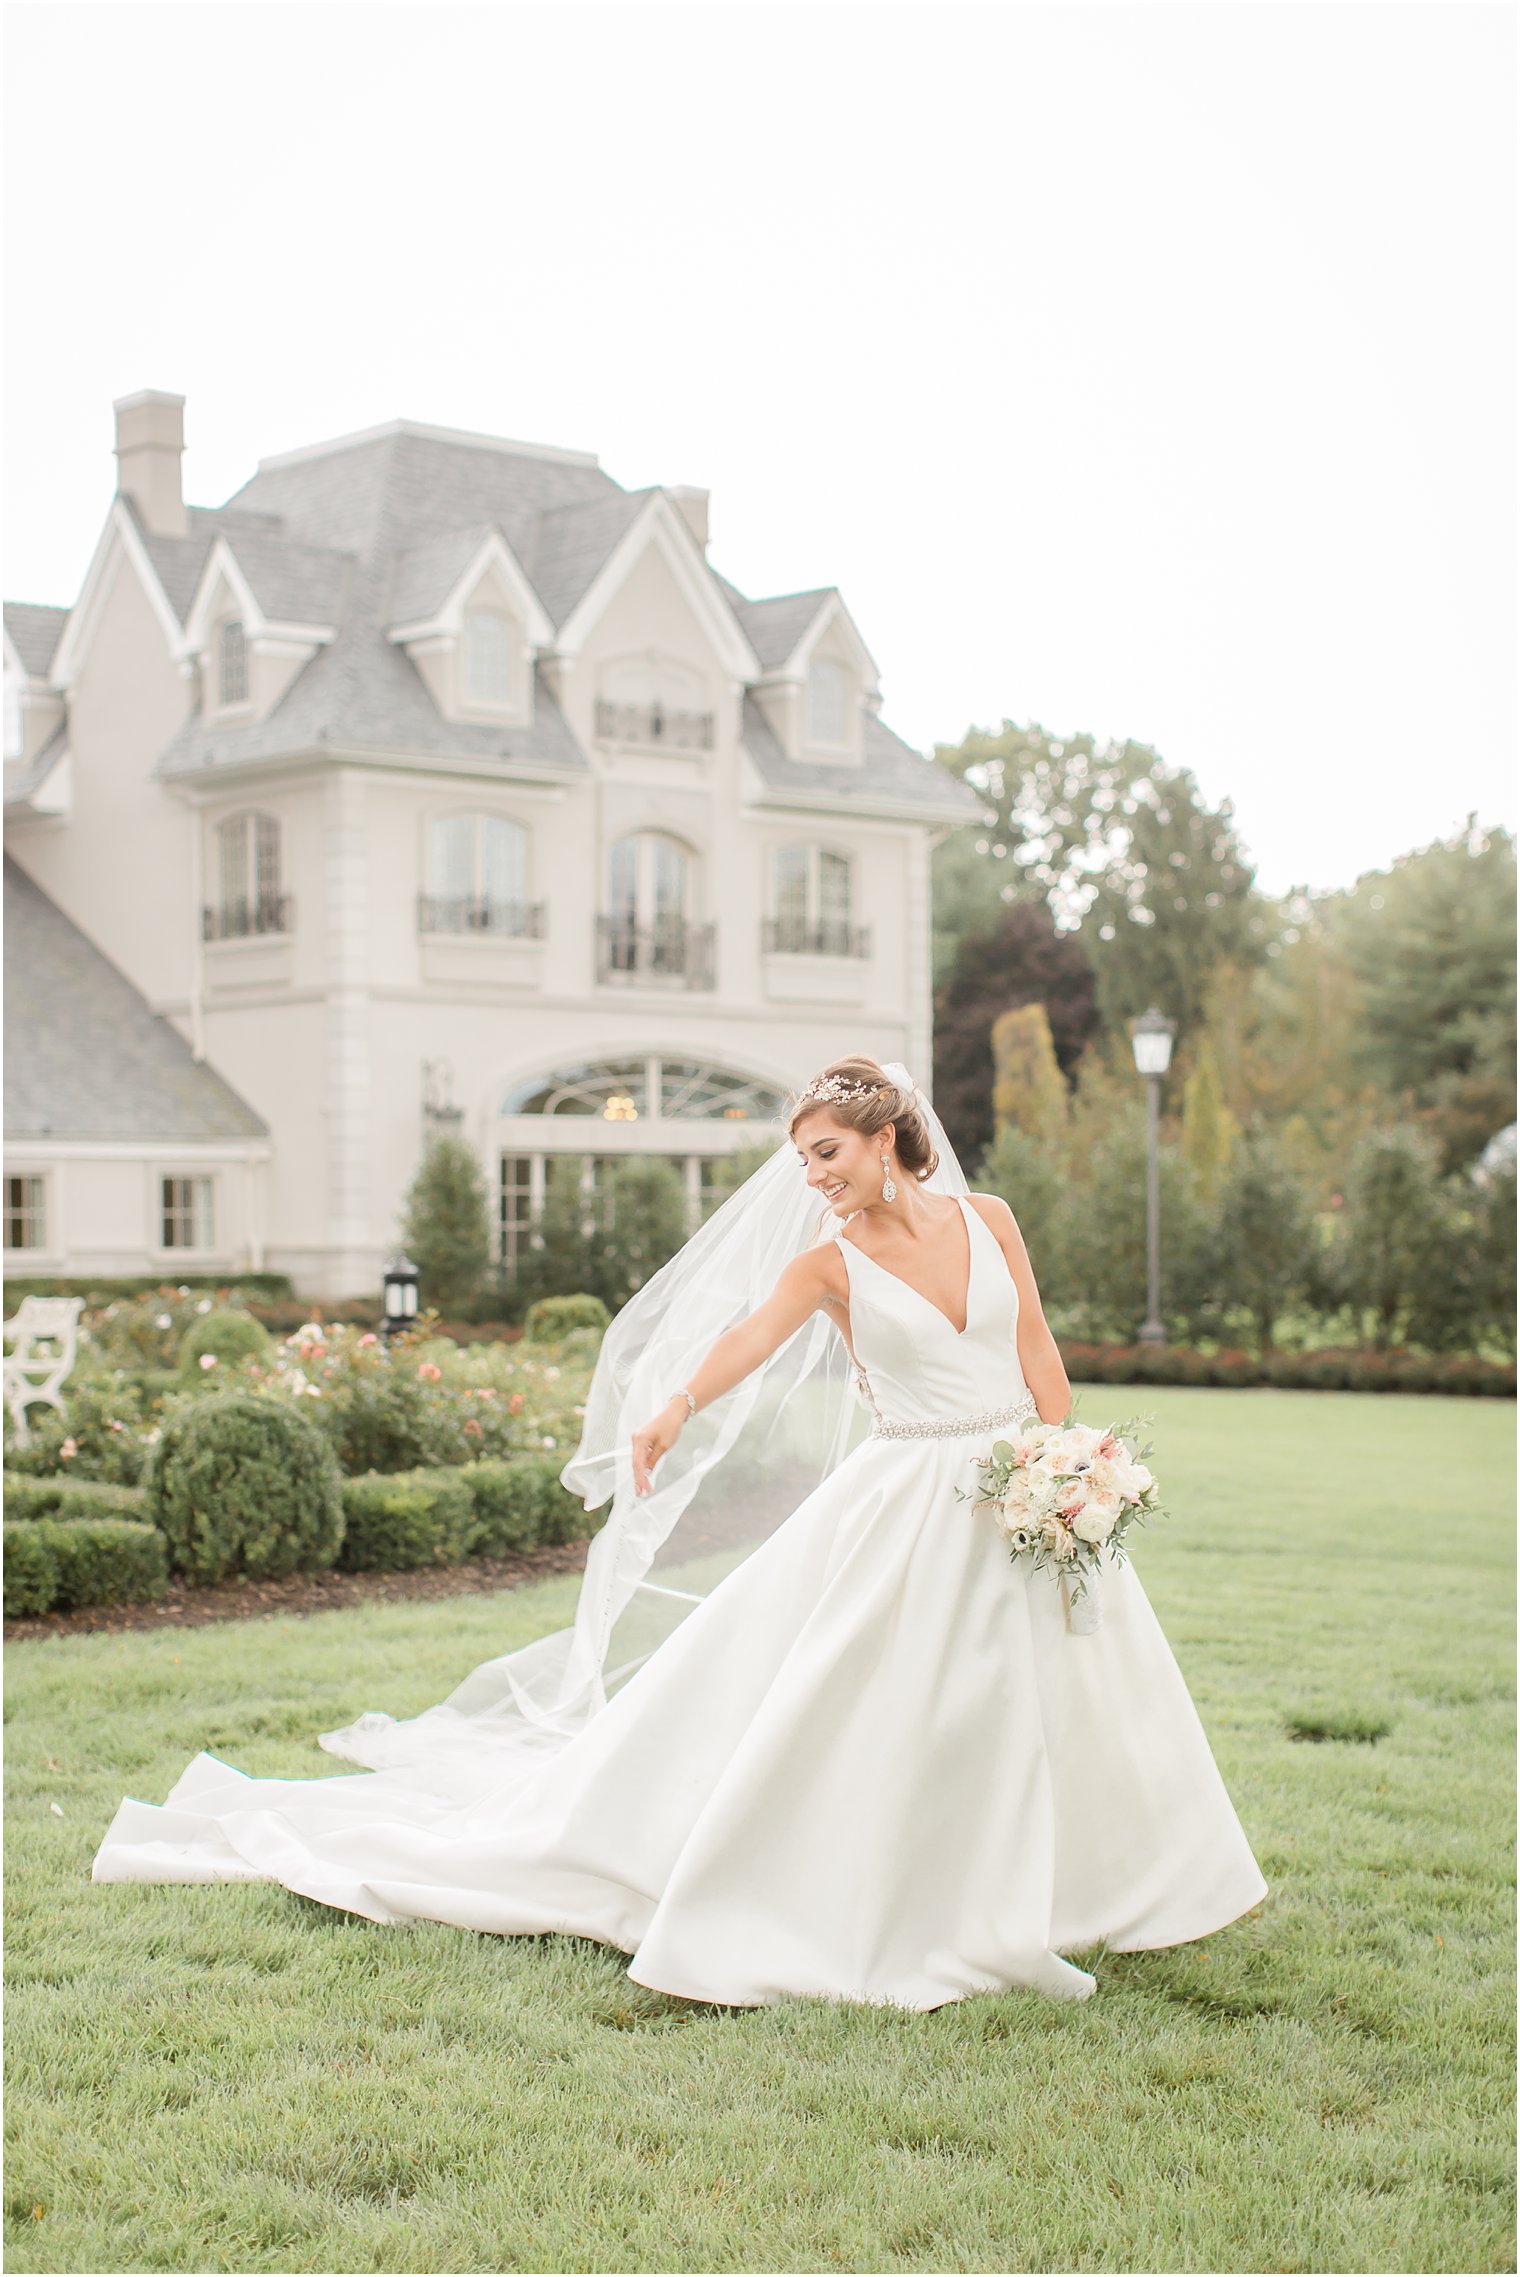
373, 532
24, 776
35, 632
775, 626
85, 1056
892, 771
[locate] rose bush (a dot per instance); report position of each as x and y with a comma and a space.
422, 1401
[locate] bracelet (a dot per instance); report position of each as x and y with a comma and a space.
683, 1393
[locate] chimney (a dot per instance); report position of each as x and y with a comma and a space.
691, 505
150, 443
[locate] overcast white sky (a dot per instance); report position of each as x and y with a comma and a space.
1143, 369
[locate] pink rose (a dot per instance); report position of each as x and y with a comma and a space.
428, 1373
371, 1339
515, 1404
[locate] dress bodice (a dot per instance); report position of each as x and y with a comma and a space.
915, 1364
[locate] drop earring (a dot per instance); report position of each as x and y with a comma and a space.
888, 1183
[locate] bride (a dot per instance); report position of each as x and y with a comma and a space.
869, 1760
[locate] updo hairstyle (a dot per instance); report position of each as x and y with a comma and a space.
871, 1101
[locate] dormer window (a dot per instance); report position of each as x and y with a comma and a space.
826, 691
232, 664
487, 657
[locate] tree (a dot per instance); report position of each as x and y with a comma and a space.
645, 1224
1264, 1234
1022, 959
1432, 944
447, 1225
1209, 1130
1396, 1230
1028, 1088
1105, 1240
1053, 801
1031, 1178
1175, 898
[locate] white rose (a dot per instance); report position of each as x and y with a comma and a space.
1096, 1520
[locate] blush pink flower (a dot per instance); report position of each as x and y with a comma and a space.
370, 1339
428, 1373
515, 1404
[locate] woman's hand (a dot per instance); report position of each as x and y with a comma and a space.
655, 1439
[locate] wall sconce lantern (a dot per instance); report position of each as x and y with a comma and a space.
398, 1295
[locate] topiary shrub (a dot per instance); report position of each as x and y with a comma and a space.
555, 1317
71, 1498
395, 1522
559, 1515
243, 1486
228, 1338
67, 1563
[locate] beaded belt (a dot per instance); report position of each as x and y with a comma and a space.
953, 1426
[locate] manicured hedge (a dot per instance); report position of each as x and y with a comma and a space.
553, 1317
103, 1291
65, 1563
396, 1520
71, 1498
520, 1504
1357, 1369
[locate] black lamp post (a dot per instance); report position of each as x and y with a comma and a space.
398, 1295
1152, 1037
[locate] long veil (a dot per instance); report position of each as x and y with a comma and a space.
737, 1471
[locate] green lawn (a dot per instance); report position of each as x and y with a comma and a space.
231, 2078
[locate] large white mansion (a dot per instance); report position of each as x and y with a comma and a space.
432, 782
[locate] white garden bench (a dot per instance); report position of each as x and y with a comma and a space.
46, 1334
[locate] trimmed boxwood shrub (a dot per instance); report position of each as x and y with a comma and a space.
554, 1514
81, 1561
31, 1567
245, 1486
554, 1317
1458, 1375
227, 1337
394, 1521
71, 1498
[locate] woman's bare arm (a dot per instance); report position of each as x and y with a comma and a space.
1041, 1362
809, 1281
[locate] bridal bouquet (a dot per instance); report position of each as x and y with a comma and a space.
1062, 1494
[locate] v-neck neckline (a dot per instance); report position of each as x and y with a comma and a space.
957, 1333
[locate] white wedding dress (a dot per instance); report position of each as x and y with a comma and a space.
873, 1764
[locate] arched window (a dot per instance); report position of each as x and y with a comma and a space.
477, 877
487, 657
247, 880
827, 687
706, 1121
812, 903
232, 664
647, 930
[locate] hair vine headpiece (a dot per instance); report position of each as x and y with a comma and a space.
832, 1090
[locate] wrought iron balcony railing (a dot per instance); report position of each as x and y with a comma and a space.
669, 950
464, 913
240, 920
654, 724
781, 936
